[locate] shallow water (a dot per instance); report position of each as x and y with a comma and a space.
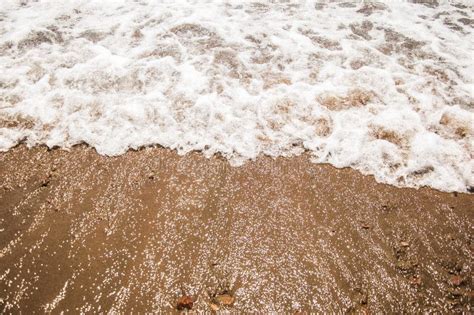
385, 88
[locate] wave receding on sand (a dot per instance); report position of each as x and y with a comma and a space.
384, 88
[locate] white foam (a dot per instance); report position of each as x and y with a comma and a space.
385, 88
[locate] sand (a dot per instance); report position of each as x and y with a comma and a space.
138, 232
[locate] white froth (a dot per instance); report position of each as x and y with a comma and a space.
385, 88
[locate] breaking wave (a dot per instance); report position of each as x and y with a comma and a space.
382, 87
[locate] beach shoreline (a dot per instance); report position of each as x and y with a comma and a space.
81, 232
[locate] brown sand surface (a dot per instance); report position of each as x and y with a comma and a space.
84, 232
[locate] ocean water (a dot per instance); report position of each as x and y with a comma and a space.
383, 87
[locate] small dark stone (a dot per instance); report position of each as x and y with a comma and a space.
45, 183
365, 226
185, 303
416, 280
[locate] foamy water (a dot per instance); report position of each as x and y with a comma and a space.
385, 88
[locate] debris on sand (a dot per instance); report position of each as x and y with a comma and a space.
455, 280
224, 299
185, 303
214, 307
45, 182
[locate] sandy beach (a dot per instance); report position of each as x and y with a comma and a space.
278, 157
141, 232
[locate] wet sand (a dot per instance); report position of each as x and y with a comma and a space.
134, 233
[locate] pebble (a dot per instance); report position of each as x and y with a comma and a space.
416, 280
214, 307
225, 299
185, 302
456, 280
45, 182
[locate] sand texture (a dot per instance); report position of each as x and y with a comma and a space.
150, 229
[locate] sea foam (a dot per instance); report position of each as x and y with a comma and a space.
382, 87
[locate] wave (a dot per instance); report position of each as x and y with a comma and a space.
382, 87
